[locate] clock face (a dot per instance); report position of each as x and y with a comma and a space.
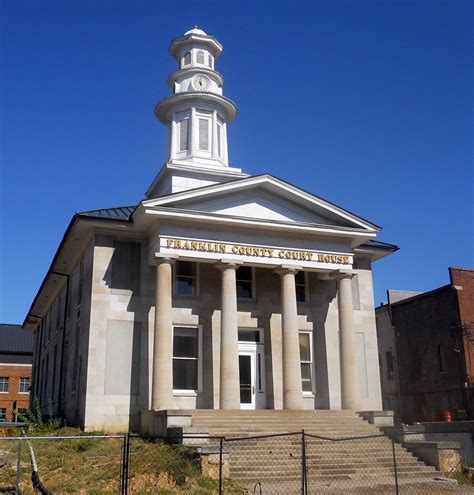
201, 82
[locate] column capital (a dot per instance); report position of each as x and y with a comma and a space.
164, 258
225, 264
336, 275
284, 269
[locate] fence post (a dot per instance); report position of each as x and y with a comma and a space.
18, 468
125, 461
304, 490
221, 442
395, 467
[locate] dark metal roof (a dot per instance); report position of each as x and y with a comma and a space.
120, 213
381, 245
15, 340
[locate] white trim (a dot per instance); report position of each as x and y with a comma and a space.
191, 393
15, 364
264, 179
216, 218
308, 393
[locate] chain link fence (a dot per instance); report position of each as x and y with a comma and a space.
279, 464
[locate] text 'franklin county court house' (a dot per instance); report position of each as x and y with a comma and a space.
219, 290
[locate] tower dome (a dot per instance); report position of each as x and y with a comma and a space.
195, 30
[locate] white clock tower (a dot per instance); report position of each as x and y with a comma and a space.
197, 114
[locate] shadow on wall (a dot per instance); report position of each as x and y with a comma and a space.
126, 366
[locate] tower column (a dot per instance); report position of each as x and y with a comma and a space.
350, 390
229, 359
292, 387
162, 376
215, 152
194, 132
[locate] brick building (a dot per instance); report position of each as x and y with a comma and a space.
16, 357
426, 350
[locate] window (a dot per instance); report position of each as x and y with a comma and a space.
4, 380
24, 385
200, 57
249, 335
21, 412
184, 135
204, 134
185, 358
185, 283
187, 58
300, 283
443, 368
3, 415
390, 368
210, 60
244, 282
306, 362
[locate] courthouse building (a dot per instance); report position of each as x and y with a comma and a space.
218, 290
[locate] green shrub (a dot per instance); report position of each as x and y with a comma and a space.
35, 422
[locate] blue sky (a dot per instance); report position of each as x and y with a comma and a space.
366, 103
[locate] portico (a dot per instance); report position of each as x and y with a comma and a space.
232, 391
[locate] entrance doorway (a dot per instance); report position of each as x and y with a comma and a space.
252, 369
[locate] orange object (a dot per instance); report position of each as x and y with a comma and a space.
447, 416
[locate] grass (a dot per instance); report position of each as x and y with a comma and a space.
93, 466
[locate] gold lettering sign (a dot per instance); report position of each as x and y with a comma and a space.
261, 252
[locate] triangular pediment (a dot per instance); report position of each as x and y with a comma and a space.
262, 198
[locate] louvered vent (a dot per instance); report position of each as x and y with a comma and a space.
200, 57
184, 135
204, 134
187, 58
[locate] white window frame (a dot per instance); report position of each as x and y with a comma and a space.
4, 419
248, 299
175, 278
7, 381
20, 382
306, 288
183, 392
308, 393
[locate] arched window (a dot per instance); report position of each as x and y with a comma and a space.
210, 61
187, 58
200, 57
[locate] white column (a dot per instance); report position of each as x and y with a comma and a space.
229, 359
194, 132
215, 152
292, 387
350, 390
162, 384
224, 144
173, 137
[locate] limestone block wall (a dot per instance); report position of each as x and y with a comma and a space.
119, 345
366, 337
59, 381
121, 335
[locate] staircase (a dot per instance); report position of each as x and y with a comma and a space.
333, 466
